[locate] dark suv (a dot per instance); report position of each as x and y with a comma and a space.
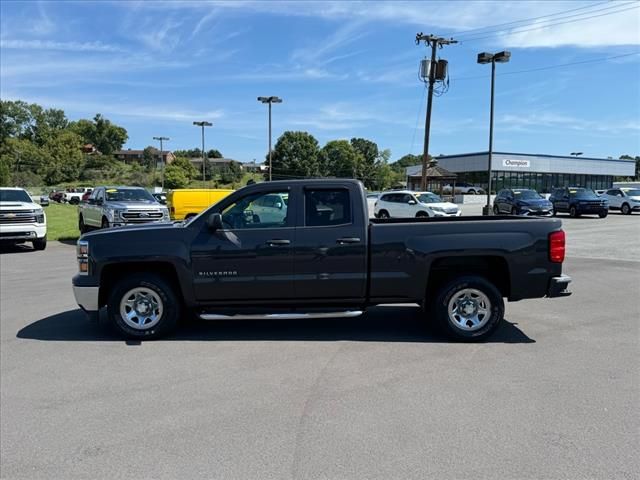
578, 201
521, 201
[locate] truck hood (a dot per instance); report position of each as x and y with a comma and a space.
19, 206
151, 228
146, 205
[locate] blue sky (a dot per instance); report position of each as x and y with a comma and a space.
343, 69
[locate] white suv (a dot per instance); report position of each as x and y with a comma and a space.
405, 203
626, 200
21, 220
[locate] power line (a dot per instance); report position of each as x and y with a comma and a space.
549, 67
539, 27
524, 20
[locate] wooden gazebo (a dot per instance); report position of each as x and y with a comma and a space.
437, 178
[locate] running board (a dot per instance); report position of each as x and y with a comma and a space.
281, 316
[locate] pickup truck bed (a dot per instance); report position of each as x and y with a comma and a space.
306, 248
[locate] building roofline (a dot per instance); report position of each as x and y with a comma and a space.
544, 155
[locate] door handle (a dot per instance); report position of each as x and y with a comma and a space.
277, 242
345, 240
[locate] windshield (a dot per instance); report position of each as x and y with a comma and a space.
428, 198
633, 192
527, 194
129, 195
14, 196
584, 194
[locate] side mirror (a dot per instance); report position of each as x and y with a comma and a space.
411, 202
214, 222
99, 201
279, 205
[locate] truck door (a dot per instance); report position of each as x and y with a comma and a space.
330, 244
251, 258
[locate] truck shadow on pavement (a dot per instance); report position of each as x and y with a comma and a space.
380, 324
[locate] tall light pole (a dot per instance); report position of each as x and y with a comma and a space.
204, 158
483, 58
270, 100
161, 156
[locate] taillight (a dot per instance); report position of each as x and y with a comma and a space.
557, 246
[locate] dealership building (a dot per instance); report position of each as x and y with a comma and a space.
523, 170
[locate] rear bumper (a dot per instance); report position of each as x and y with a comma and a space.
559, 286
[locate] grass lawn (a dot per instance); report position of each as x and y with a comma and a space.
62, 221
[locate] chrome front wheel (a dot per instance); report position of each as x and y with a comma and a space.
141, 308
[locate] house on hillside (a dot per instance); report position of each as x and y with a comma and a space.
137, 156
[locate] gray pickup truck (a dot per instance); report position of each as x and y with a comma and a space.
119, 206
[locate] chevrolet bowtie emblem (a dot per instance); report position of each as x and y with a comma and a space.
9, 215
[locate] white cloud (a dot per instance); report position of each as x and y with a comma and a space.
125, 109
63, 46
558, 121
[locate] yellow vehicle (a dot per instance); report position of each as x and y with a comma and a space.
186, 203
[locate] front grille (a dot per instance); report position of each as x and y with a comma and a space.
451, 210
141, 216
12, 217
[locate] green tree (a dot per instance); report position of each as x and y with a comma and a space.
175, 177
295, 155
187, 167
64, 158
31, 122
149, 157
231, 173
213, 153
5, 173
406, 161
339, 159
104, 135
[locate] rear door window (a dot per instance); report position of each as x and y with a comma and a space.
327, 207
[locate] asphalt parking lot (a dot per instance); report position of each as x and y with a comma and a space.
554, 394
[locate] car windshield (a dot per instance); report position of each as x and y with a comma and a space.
583, 193
527, 194
14, 196
129, 195
635, 192
429, 198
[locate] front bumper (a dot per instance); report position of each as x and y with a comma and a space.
559, 286
87, 298
22, 231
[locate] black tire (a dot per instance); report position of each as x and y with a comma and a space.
440, 307
40, 243
81, 225
74, 201
104, 223
625, 209
514, 211
471, 192
170, 303
383, 214
554, 212
496, 210
422, 215
190, 215
573, 212
603, 214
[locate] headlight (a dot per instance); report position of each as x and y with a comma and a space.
118, 214
637, 200
39, 215
165, 214
82, 252
437, 209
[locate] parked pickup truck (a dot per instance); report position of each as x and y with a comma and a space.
118, 206
316, 253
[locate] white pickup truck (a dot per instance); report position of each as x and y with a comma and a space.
21, 220
73, 196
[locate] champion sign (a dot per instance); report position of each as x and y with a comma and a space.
516, 163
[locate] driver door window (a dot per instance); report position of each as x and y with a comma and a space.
259, 210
